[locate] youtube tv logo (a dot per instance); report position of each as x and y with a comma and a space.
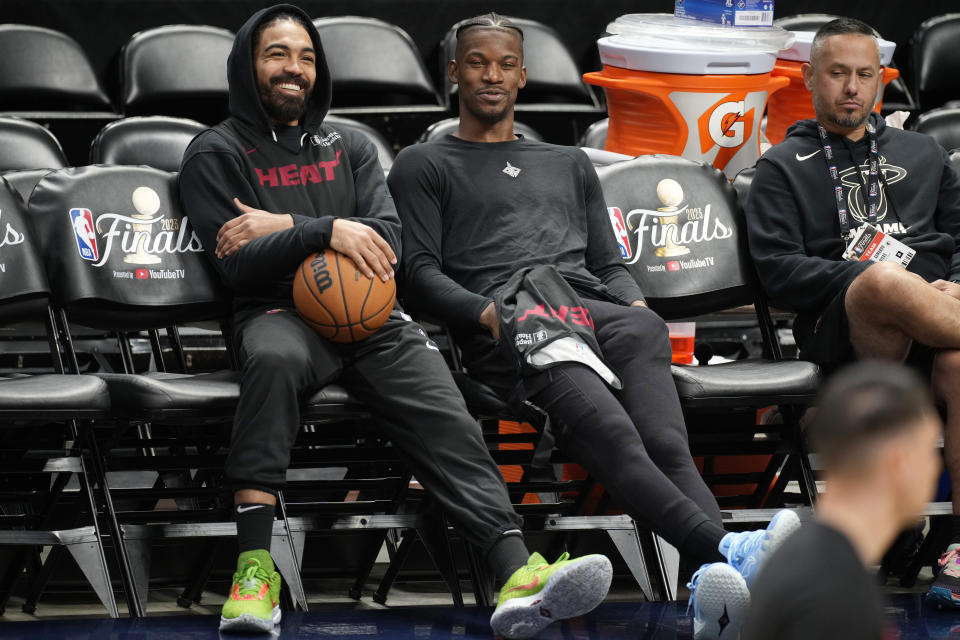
673, 265
142, 274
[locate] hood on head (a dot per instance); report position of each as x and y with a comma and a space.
244, 97
808, 128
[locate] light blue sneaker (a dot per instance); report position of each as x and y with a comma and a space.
747, 551
720, 600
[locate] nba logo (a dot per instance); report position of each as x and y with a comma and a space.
620, 231
82, 221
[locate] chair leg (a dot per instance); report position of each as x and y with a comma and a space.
138, 553
88, 557
40, 579
480, 579
96, 462
16, 567
669, 562
289, 556
194, 591
627, 543
393, 569
437, 543
369, 560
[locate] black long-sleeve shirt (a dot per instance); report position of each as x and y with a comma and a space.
475, 213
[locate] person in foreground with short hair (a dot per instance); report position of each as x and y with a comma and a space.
265, 189
835, 176
876, 431
490, 219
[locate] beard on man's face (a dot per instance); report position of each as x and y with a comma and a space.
279, 106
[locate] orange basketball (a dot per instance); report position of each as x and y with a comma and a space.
336, 299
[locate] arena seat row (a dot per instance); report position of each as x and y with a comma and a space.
159, 142
378, 68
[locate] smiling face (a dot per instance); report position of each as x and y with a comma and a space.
844, 77
285, 63
489, 71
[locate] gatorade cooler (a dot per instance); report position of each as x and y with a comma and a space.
686, 88
794, 102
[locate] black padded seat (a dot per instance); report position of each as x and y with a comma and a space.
374, 64
602, 157
385, 153
936, 66
155, 141
176, 70
943, 125
742, 184
448, 126
160, 393
52, 396
596, 134
46, 70
740, 383
165, 394
24, 144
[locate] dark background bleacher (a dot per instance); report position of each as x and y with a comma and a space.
102, 26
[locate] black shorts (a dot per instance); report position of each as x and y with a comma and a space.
824, 338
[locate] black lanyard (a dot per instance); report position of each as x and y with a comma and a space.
872, 196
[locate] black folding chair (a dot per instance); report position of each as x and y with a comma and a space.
682, 236
45, 420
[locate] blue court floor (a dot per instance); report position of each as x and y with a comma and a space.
637, 621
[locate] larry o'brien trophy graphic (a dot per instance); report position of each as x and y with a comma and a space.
147, 202
670, 194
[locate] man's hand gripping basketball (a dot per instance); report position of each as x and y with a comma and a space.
364, 246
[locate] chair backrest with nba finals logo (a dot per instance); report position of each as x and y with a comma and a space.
676, 222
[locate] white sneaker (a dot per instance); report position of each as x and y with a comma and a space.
720, 600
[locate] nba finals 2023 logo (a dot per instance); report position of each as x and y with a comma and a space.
662, 232
143, 236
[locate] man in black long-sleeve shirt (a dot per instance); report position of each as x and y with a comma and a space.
483, 205
265, 189
833, 175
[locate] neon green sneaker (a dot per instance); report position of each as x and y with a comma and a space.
253, 602
539, 593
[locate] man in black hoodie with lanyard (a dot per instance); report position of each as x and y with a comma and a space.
812, 193
266, 188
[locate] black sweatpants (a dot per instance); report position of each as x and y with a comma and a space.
405, 382
633, 441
